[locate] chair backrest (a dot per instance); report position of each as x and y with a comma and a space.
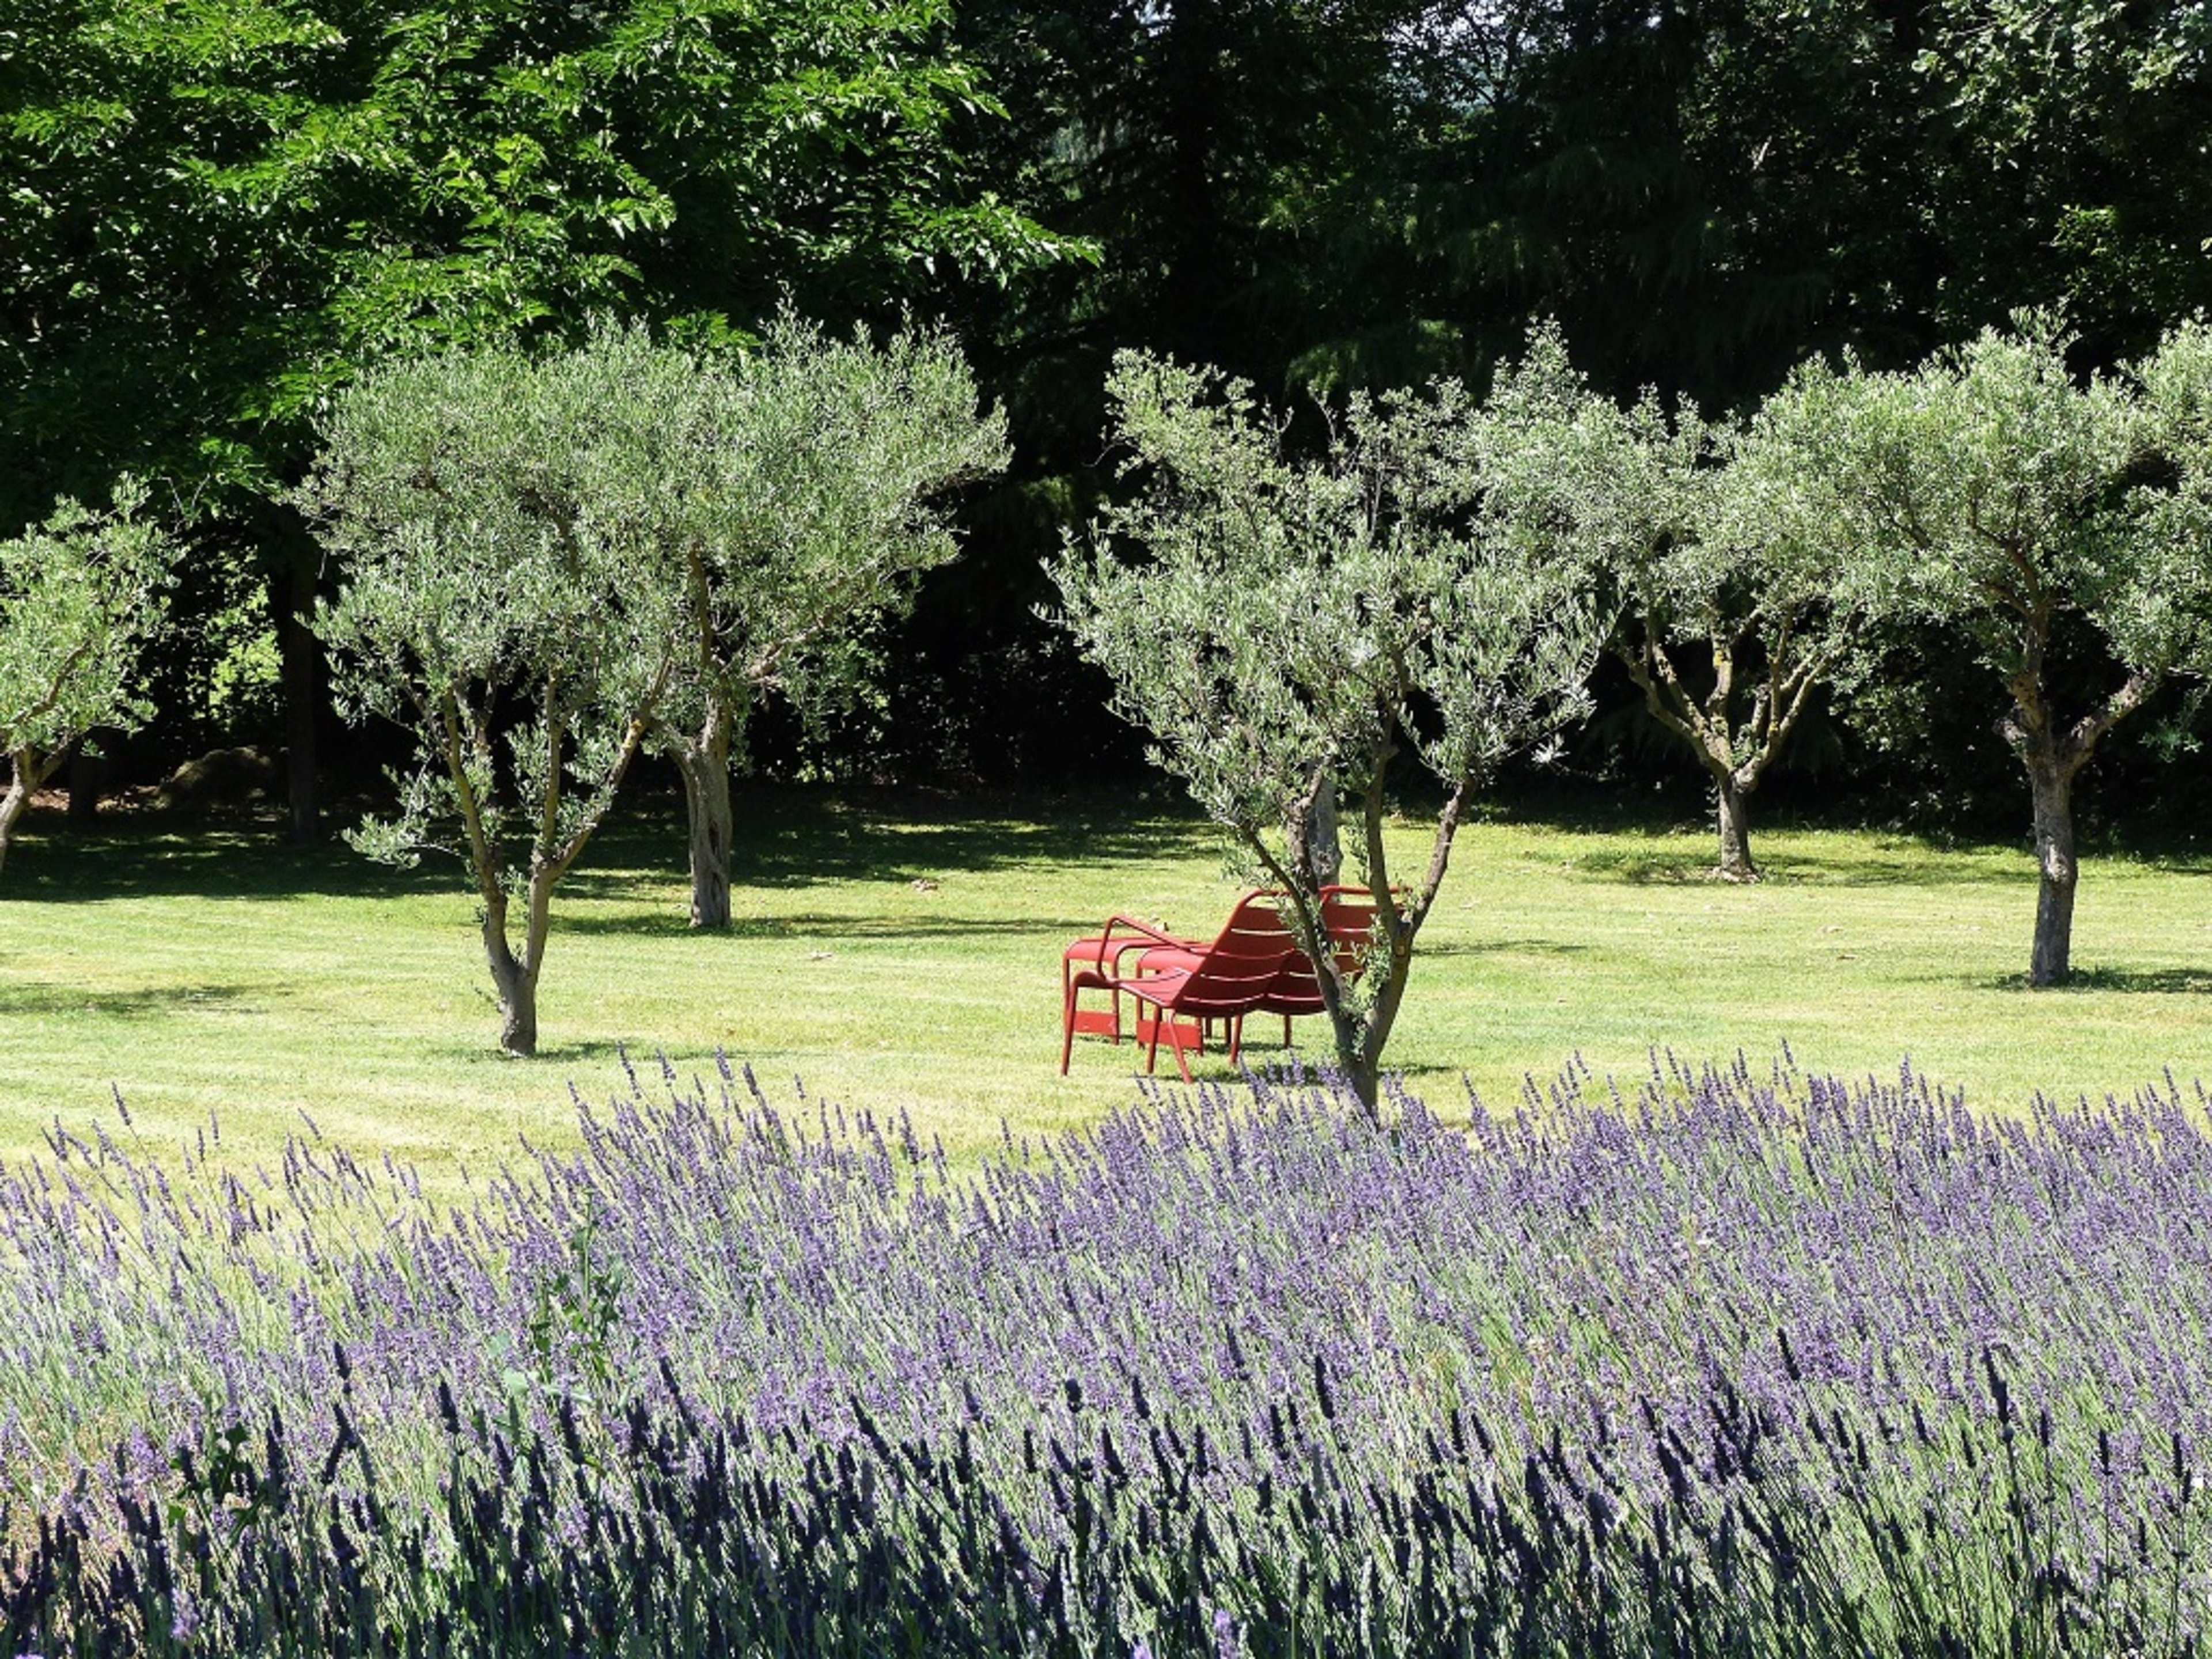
1347, 913
1237, 971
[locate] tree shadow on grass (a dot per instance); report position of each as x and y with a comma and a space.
2157, 981
478, 1045
793, 838
574, 1050
150, 859
814, 925
39, 1000
1524, 946
785, 837
1637, 868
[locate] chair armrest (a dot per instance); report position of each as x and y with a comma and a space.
1124, 933
1146, 931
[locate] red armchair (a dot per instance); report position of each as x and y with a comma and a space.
1182, 986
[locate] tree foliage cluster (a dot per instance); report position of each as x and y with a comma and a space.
1290, 628
218, 211
555, 560
1321, 197
80, 595
1437, 579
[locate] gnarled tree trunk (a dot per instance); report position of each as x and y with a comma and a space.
2053, 754
27, 769
516, 985
1734, 755
1361, 1031
1311, 836
706, 793
2050, 784
516, 977
703, 759
11, 809
1729, 789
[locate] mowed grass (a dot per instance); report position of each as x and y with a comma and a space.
902, 953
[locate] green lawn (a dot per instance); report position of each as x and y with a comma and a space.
895, 952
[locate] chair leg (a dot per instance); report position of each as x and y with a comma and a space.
1182, 1060
1066, 1021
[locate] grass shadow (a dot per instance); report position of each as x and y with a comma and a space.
2157, 981
818, 924
1502, 947
578, 1050
150, 857
1638, 868
786, 837
53, 1001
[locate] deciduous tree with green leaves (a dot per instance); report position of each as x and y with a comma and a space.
801, 489
218, 211
495, 515
1991, 490
79, 596
1278, 623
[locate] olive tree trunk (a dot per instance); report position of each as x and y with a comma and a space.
515, 977
1730, 790
27, 771
1360, 1022
1312, 837
703, 760
1398, 925
2051, 785
11, 809
2053, 754
1734, 752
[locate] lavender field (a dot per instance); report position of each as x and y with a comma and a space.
1737, 1361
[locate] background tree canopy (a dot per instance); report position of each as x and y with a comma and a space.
220, 210
217, 211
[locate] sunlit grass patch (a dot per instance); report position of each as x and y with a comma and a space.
902, 952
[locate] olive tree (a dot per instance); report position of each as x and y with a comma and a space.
80, 595
1280, 623
800, 489
1732, 609
1991, 490
501, 604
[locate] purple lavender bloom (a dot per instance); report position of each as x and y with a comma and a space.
1729, 1270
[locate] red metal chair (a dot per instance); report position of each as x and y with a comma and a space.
1095, 963
1185, 990
1099, 962
1347, 915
